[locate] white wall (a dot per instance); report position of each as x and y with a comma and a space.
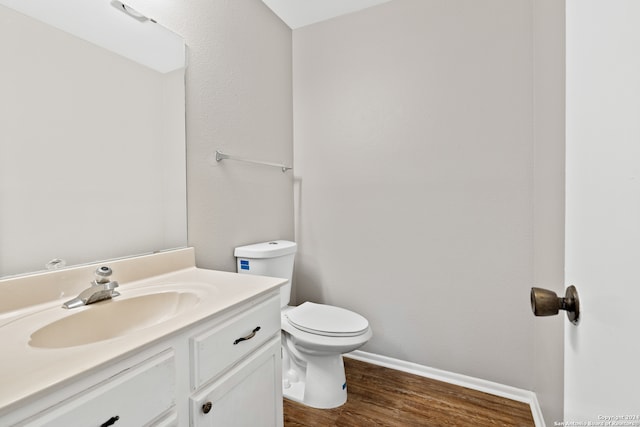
413, 153
239, 100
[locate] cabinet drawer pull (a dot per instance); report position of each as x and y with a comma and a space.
206, 407
248, 337
111, 421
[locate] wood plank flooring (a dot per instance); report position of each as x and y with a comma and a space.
379, 396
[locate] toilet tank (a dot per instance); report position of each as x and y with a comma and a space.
273, 259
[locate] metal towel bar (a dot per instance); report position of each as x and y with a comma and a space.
220, 156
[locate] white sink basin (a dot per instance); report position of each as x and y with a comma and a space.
113, 318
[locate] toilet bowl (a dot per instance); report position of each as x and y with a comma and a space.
314, 336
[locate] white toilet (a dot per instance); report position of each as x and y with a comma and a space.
314, 336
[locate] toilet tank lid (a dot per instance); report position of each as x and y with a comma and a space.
272, 249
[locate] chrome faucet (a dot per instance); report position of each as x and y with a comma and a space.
101, 288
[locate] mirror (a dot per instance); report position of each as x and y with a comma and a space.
92, 140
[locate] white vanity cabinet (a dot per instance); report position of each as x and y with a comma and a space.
237, 371
222, 371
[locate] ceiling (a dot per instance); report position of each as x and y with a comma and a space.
298, 13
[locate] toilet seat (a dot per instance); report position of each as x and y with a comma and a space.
326, 320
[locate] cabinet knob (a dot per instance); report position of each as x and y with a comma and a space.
207, 407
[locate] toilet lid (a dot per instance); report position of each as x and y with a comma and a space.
327, 320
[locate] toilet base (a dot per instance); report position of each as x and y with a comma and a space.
315, 381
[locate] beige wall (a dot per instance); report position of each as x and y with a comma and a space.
420, 200
239, 100
413, 154
548, 199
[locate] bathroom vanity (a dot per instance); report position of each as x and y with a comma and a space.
180, 346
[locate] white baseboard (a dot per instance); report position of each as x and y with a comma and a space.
485, 386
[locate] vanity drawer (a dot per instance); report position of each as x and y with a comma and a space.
217, 349
136, 396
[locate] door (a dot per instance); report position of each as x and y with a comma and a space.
602, 353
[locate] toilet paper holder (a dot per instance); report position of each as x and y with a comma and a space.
547, 303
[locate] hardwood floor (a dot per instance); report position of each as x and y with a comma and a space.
384, 397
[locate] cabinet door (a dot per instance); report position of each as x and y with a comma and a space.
249, 395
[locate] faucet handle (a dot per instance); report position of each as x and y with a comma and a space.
103, 274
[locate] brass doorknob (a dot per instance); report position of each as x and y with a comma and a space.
546, 303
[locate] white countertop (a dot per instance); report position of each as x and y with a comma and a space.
26, 370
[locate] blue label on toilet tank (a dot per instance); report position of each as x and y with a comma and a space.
344, 385
244, 264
